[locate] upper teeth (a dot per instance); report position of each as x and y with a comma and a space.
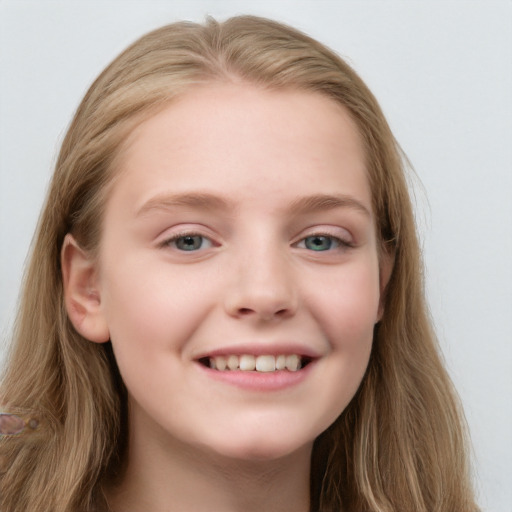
265, 363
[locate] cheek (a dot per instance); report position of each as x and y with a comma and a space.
152, 314
348, 316
151, 307
348, 306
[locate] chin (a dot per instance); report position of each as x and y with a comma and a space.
263, 450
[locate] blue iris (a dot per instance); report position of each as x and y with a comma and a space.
318, 243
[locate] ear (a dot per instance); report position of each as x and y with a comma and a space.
386, 264
81, 292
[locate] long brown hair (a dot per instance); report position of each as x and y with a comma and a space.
400, 445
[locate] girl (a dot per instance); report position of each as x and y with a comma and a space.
224, 308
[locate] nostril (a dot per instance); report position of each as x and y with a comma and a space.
280, 313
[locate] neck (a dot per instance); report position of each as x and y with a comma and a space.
178, 478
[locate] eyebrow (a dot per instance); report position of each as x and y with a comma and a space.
211, 202
320, 202
202, 201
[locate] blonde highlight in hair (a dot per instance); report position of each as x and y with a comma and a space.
400, 445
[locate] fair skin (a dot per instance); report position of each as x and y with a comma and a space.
240, 225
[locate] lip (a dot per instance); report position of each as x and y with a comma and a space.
258, 381
261, 349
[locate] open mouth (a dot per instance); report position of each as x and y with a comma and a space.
260, 363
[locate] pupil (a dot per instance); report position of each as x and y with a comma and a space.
318, 243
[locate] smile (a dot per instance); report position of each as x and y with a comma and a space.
260, 363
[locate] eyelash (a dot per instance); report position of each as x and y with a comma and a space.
339, 243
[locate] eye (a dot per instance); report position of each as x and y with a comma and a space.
321, 243
189, 242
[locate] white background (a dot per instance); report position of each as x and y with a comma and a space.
442, 71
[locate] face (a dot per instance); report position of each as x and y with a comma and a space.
239, 237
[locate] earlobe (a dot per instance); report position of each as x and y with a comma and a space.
387, 262
81, 292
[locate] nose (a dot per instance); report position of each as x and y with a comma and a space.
262, 287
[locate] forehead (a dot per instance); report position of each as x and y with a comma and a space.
241, 136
